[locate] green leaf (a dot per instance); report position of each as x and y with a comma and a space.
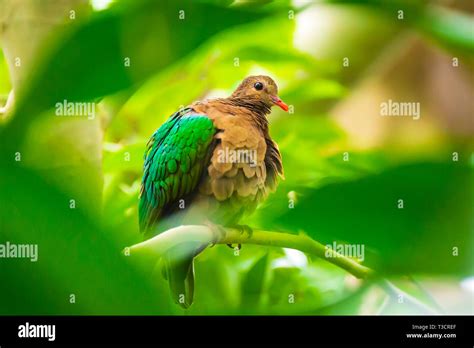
432, 233
75, 257
452, 29
92, 60
253, 282
5, 85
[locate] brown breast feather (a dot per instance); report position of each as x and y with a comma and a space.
237, 130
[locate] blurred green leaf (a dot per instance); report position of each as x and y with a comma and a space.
436, 217
450, 28
5, 84
253, 283
98, 50
75, 257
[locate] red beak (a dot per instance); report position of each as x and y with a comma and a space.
280, 103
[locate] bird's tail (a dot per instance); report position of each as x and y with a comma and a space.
178, 269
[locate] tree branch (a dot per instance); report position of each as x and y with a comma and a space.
206, 236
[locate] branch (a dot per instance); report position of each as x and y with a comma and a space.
206, 236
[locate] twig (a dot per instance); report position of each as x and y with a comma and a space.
206, 236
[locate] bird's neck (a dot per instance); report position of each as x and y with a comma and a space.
254, 105
258, 109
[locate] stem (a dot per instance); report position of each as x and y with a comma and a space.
206, 236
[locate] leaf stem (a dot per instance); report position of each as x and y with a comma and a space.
206, 236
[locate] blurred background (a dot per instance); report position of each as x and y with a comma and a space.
346, 165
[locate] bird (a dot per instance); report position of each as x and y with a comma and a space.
212, 162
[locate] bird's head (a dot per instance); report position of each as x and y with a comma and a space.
259, 89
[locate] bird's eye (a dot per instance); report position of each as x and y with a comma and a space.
258, 86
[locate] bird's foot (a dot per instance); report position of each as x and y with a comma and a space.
239, 246
244, 229
218, 231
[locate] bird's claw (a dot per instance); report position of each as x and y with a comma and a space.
218, 232
245, 229
239, 246
242, 229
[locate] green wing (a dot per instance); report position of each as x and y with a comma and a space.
174, 163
